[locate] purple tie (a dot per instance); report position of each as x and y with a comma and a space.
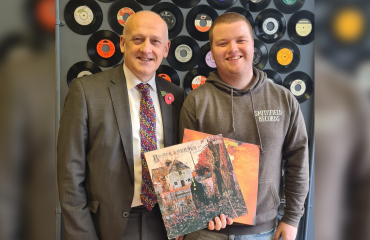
148, 143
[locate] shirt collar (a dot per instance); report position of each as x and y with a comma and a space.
132, 81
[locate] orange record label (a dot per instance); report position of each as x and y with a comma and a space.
108, 43
165, 76
285, 56
122, 12
197, 81
203, 18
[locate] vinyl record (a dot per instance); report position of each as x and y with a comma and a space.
148, 2
255, 5
81, 69
301, 27
169, 74
221, 4
273, 76
284, 56
260, 56
106, 1
288, 6
184, 53
186, 3
83, 16
119, 11
270, 25
206, 59
300, 84
243, 12
195, 78
199, 20
103, 48
172, 15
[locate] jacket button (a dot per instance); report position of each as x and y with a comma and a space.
125, 214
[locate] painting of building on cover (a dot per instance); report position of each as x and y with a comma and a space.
245, 159
194, 183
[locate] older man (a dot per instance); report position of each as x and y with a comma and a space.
109, 120
238, 102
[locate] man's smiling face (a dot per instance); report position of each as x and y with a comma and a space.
232, 48
144, 44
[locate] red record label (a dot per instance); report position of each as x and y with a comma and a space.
203, 17
165, 76
122, 12
197, 81
101, 52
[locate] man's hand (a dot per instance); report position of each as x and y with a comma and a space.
288, 232
180, 238
220, 222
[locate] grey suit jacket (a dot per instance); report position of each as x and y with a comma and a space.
95, 165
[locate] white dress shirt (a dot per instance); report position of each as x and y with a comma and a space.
134, 97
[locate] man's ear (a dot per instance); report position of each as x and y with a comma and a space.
166, 49
122, 44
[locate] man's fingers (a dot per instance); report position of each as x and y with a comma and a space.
218, 223
211, 225
230, 221
223, 221
277, 234
181, 237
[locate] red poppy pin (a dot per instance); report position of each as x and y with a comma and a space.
168, 97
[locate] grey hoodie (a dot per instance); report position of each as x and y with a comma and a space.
267, 115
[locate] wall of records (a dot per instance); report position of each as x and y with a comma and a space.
283, 33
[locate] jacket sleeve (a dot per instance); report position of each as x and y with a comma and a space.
71, 166
187, 119
295, 152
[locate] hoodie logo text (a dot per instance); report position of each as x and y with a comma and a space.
268, 115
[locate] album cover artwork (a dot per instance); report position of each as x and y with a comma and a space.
194, 182
245, 160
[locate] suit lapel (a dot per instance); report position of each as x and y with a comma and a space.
166, 110
121, 105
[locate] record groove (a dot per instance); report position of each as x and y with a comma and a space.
83, 16
180, 46
97, 47
195, 78
199, 20
186, 3
301, 27
148, 2
172, 15
273, 76
206, 59
300, 84
288, 6
255, 5
221, 4
169, 74
118, 12
270, 25
284, 56
243, 12
260, 56
81, 69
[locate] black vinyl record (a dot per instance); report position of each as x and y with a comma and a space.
300, 84
172, 15
288, 6
148, 2
103, 48
255, 5
81, 69
168, 73
260, 56
301, 27
221, 4
206, 59
195, 78
186, 3
284, 56
243, 12
119, 11
83, 16
106, 1
184, 53
199, 20
273, 76
270, 25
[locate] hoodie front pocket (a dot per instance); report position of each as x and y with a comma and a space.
268, 198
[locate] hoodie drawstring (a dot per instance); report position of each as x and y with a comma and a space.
232, 107
255, 120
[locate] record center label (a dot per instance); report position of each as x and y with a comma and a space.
169, 18
165, 76
256, 1
204, 17
83, 15
210, 61
303, 27
84, 73
197, 81
187, 49
257, 55
271, 80
274, 29
122, 12
301, 85
289, 2
101, 52
285, 56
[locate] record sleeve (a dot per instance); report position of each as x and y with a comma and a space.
284, 56
173, 17
270, 25
301, 27
118, 13
184, 53
199, 21
300, 84
195, 78
81, 69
